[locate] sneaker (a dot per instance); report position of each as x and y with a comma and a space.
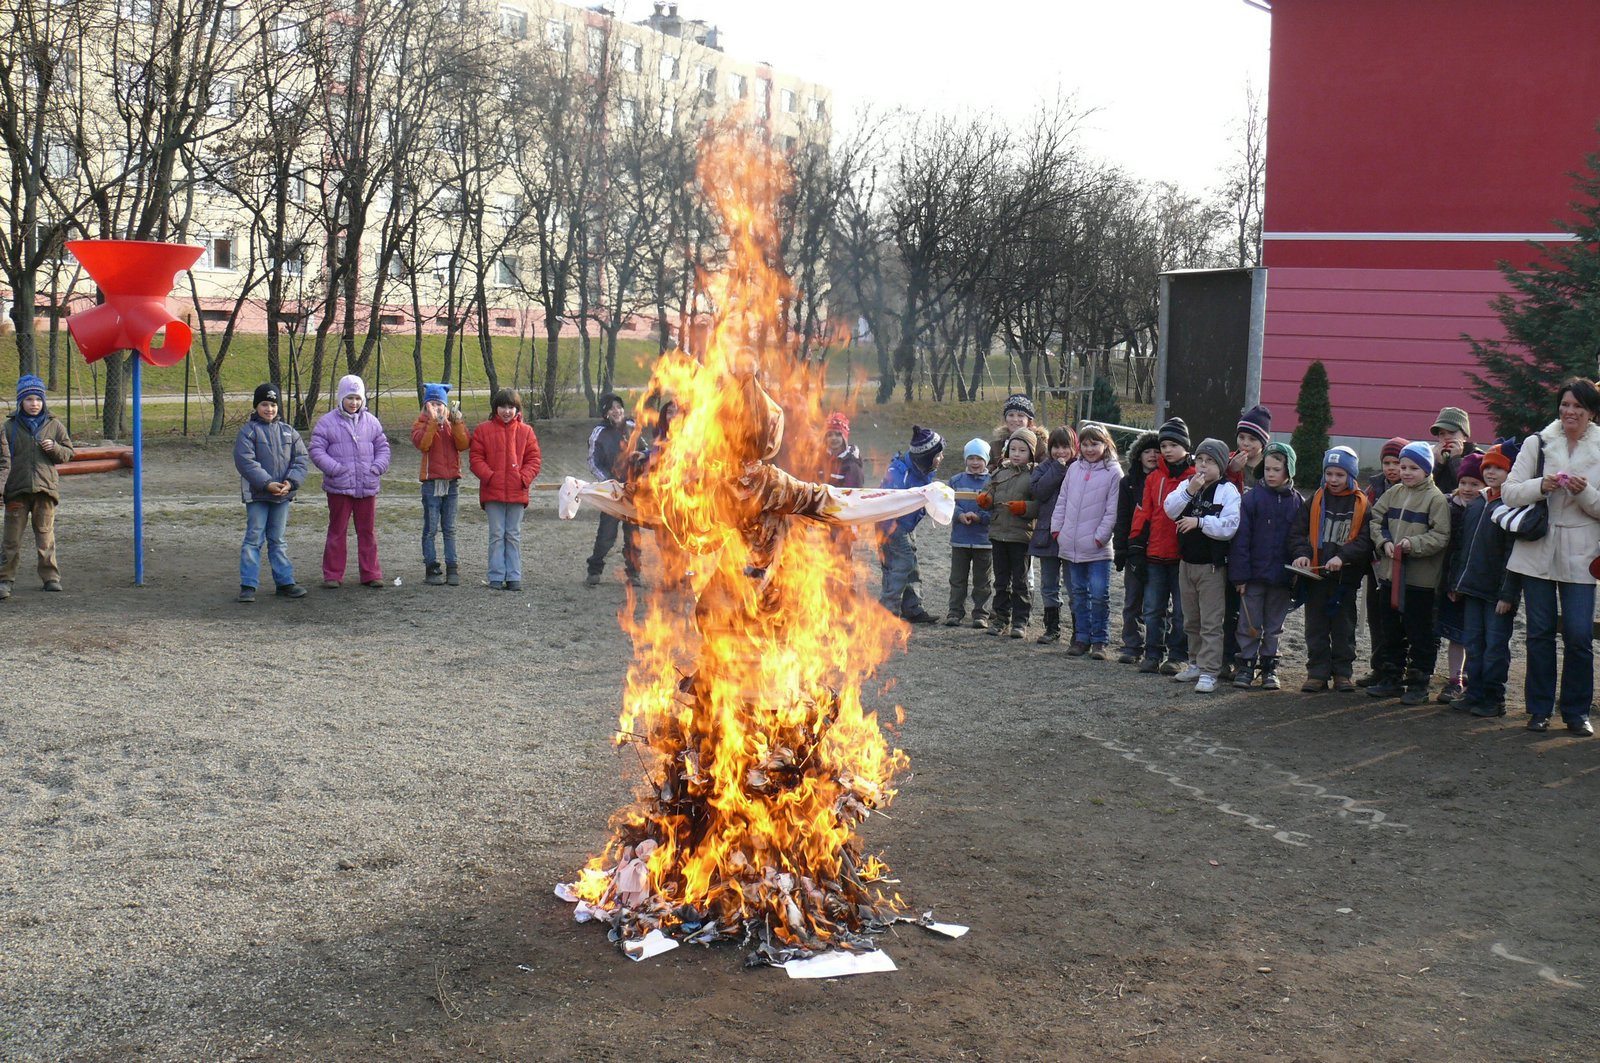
1171, 667
1414, 695
1451, 692
1227, 673
513, 585
1539, 724
246, 594
1269, 681
1205, 684
1463, 705
332, 584
1384, 688
999, 629
1150, 666
592, 580
979, 623
1313, 686
1016, 632
952, 621
497, 585
1343, 685
1126, 657
1580, 726
52, 585
375, 584
920, 617
1192, 673
1485, 710
290, 590
1097, 652
5, 589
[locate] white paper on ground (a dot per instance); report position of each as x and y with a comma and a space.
949, 930
652, 944
838, 964
565, 892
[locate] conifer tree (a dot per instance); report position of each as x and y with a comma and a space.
1551, 318
1315, 415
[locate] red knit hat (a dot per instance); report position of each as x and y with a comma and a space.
1393, 448
1496, 457
838, 422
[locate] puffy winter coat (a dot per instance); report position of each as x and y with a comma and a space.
268, 453
1045, 488
844, 469
441, 451
1152, 528
1422, 515
350, 449
1011, 483
26, 468
1129, 493
1574, 536
1478, 559
972, 535
1261, 547
1086, 510
505, 459
903, 473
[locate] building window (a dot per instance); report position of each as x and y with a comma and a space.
669, 118
136, 11
59, 159
669, 68
397, 267
228, 23
296, 192
597, 50
786, 101
628, 114
448, 202
630, 57
218, 252
221, 100
391, 320
513, 23
705, 79
763, 96
451, 136
508, 270
294, 262
510, 207
286, 34
814, 109
558, 34
736, 86
505, 322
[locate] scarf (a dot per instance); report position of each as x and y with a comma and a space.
34, 423
1358, 520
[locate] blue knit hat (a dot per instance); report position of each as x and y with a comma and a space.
439, 393
1343, 458
1420, 453
28, 384
976, 448
925, 442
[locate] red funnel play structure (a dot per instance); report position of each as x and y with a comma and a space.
136, 277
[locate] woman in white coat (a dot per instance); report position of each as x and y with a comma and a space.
1555, 568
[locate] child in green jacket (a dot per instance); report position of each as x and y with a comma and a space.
1411, 522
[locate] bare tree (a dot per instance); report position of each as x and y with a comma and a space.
1243, 189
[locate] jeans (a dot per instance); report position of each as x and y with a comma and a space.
439, 515
1132, 613
1163, 613
605, 537
1577, 636
1090, 583
1488, 651
1050, 581
901, 578
335, 551
979, 562
505, 540
265, 522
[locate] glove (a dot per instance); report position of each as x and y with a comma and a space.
1056, 536
985, 499
1119, 560
1017, 508
1138, 563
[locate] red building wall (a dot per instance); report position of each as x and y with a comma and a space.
1411, 146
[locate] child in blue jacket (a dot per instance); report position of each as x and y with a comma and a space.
897, 553
272, 462
1256, 563
971, 554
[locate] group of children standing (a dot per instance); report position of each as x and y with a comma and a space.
349, 447
1217, 547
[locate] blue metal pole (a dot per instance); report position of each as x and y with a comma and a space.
138, 476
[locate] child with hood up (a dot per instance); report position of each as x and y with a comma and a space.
32, 443
441, 435
1142, 461
349, 446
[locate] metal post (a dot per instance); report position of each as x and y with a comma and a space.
138, 476
187, 369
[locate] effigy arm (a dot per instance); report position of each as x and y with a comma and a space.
608, 496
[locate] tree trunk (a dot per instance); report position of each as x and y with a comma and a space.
22, 318
552, 351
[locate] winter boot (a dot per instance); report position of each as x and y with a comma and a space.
1416, 692
1269, 673
1052, 625
1385, 686
435, 574
1245, 677
452, 574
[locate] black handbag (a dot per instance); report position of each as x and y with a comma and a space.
1527, 522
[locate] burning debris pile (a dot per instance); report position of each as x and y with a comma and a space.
753, 645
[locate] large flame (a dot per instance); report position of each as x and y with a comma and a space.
753, 644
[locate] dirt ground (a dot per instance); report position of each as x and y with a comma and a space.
329, 829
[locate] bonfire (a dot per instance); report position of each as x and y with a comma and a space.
753, 642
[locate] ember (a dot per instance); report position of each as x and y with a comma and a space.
752, 646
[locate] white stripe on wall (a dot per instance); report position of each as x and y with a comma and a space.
1493, 238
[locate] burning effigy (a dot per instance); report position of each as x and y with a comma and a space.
752, 644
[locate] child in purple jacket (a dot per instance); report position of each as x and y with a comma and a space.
349, 446
1256, 566
1082, 521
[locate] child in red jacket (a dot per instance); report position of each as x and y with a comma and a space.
1153, 547
505, 458
441, 436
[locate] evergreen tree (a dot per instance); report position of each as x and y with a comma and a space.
1105, 407
1551, 318
1310, 439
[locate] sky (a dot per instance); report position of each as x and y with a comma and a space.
1166, 78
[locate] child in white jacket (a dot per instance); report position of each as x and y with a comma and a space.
1206, 509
